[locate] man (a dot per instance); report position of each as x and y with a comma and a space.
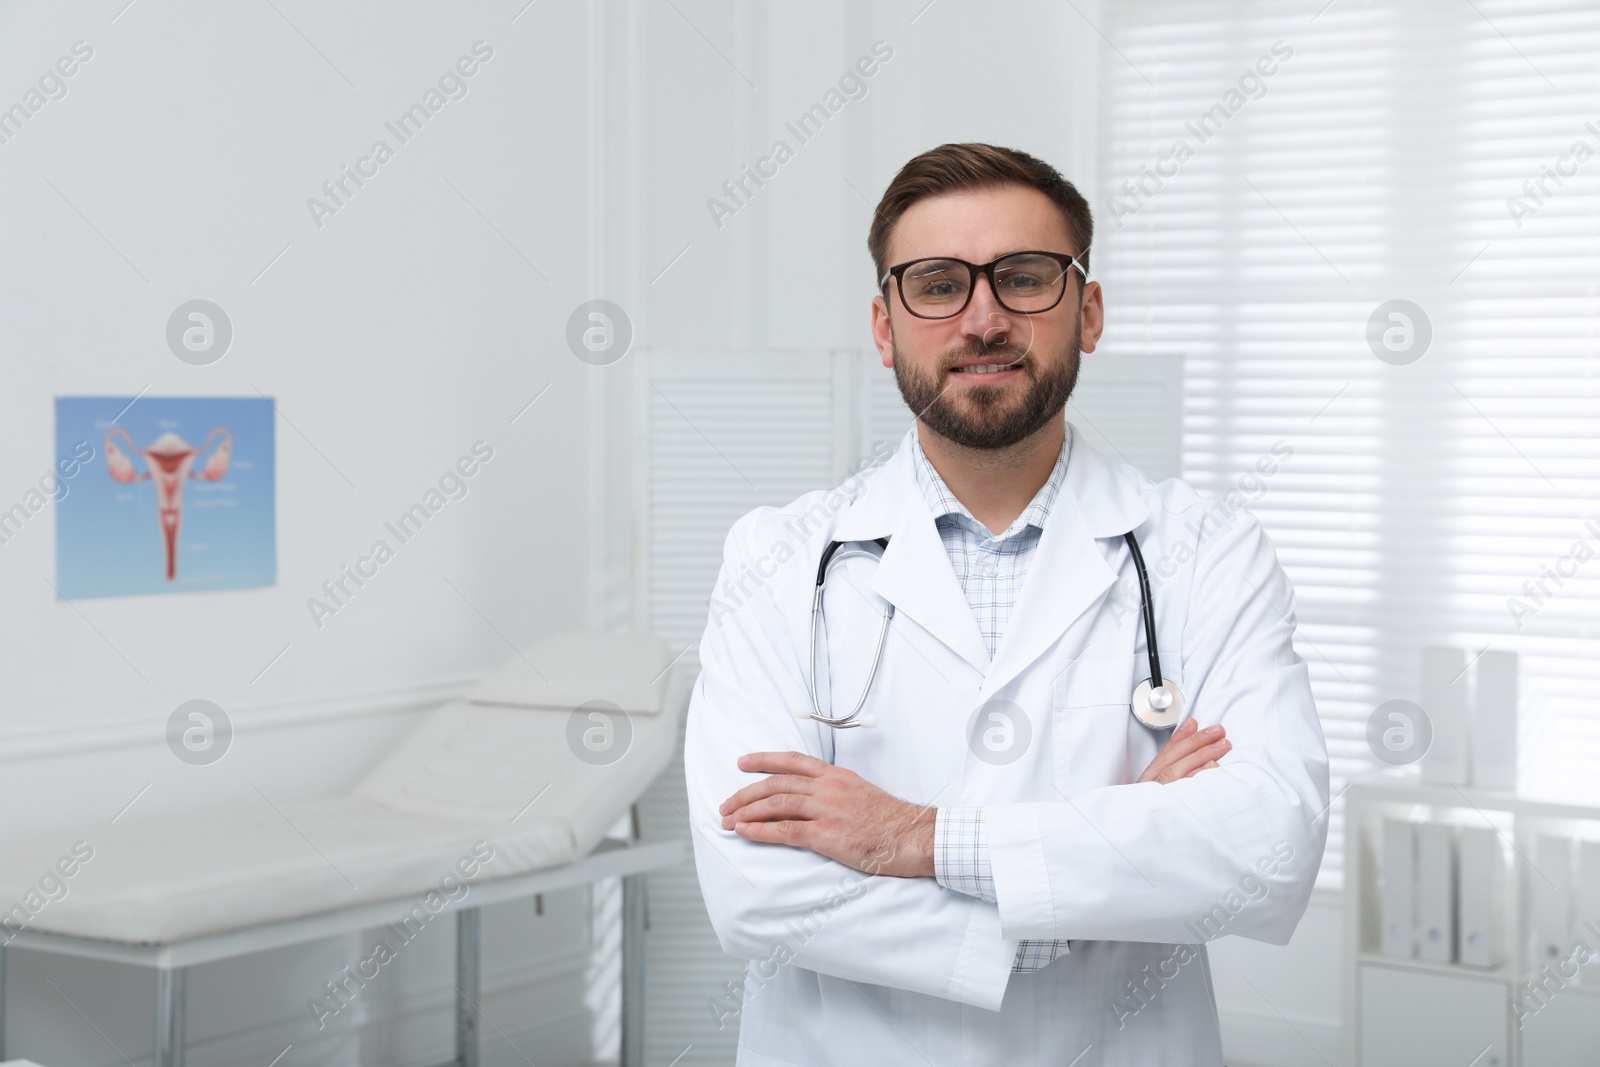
997, 863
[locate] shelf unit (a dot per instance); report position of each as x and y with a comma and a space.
1406, 1011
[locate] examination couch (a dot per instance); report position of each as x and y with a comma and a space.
534, 767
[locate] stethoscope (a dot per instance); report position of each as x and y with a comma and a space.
1157, 706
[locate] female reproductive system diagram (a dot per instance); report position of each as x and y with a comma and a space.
169, 462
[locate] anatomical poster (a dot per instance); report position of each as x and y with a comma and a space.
163, 495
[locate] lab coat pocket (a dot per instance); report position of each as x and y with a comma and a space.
1095, 736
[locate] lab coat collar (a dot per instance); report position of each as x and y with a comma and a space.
915, 573
1099, 499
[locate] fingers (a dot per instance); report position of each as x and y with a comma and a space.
1194, 740
1178, 744
791, 772
1196, 762
784, 763
777, 783
776, 833
1185, 751
777, 808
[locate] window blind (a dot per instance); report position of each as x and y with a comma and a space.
1272, 178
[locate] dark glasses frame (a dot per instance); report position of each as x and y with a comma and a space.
1066, 262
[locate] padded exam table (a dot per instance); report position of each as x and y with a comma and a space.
536, 761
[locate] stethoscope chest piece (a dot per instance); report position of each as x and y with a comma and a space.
1158, 718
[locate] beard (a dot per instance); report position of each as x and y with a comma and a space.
983, 417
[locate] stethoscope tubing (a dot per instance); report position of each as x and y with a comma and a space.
1147, 609
849, 720
1146, 605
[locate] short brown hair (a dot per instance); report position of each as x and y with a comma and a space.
952, 167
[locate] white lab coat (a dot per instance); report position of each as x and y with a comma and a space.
850, 969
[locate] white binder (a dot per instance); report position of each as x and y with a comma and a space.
1480, 940
1398, 897
1494, 722
1444, 699
1587, 920
1551, 880
1436, 892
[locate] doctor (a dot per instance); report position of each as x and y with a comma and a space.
996, 863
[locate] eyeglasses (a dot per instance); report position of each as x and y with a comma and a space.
1026, 283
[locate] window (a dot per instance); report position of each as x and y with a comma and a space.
1272, 177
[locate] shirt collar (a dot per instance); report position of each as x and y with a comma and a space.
942, 502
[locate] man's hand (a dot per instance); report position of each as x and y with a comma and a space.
835, 812
1187, 752
832, 811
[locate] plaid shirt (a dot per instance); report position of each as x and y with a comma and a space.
990, 568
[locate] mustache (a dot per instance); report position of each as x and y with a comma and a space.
1007, 354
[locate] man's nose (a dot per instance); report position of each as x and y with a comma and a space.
984, 318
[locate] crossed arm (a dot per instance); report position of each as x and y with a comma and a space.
835, 812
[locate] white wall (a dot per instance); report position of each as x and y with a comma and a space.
790, 268
411, 324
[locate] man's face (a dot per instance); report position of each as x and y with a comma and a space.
942, 366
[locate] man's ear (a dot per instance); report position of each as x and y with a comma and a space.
882, 330
1092, 308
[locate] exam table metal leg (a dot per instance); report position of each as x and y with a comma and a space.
633, 928
468, 995
171, 997
2, 1002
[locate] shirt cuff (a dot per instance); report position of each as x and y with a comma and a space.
961, 853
